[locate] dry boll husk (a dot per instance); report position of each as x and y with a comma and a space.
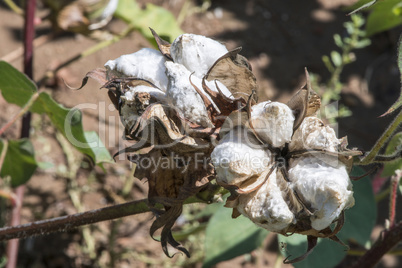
286, 171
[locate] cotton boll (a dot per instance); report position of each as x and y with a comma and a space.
154, 92
326, 188
313, 134
273, 122
237, 157
196, 52
147, 64
182, 95
266, 206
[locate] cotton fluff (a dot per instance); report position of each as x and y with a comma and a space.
237, 157
273, 122
197, 53
266, 206
182, 95
327, 188
313, 134
154, 92
147, 64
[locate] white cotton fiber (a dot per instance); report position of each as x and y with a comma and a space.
238, 156
196, 52
313, 134
273, 122
325, 187
147, 64
266, 206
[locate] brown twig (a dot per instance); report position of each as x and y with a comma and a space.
392, 198
387, 240
69, 222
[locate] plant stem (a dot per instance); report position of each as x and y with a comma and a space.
392, 197
29, 33
387, 240
69, 222
370, 157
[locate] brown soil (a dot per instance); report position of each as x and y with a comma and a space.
279, 38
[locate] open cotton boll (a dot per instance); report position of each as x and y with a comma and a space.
273, 122
237, 157
182, 95
196, 52
147, 64
326, 188
266, 206
154, 92
313, 134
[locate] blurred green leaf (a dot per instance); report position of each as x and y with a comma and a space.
226, 238
19, 161
327, 63
18, 89
336, 58
390, 167
326, 251
363, 43
382, 17
158, 18
361, 218
15, 86
338, 40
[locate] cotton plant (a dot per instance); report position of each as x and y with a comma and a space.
284, 169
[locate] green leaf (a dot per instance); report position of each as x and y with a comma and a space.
362, 4
336, 58
361, 218
363, 43
18, 89
226, 238
19, 161
338, 40
326, 251
155, 17
383, 18
15, 86
69, 123
390, 167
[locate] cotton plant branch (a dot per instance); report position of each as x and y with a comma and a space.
29, 34
69, 222
373, 156
386, 242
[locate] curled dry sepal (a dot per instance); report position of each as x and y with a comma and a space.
190, 111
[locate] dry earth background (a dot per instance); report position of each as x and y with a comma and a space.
279, 38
